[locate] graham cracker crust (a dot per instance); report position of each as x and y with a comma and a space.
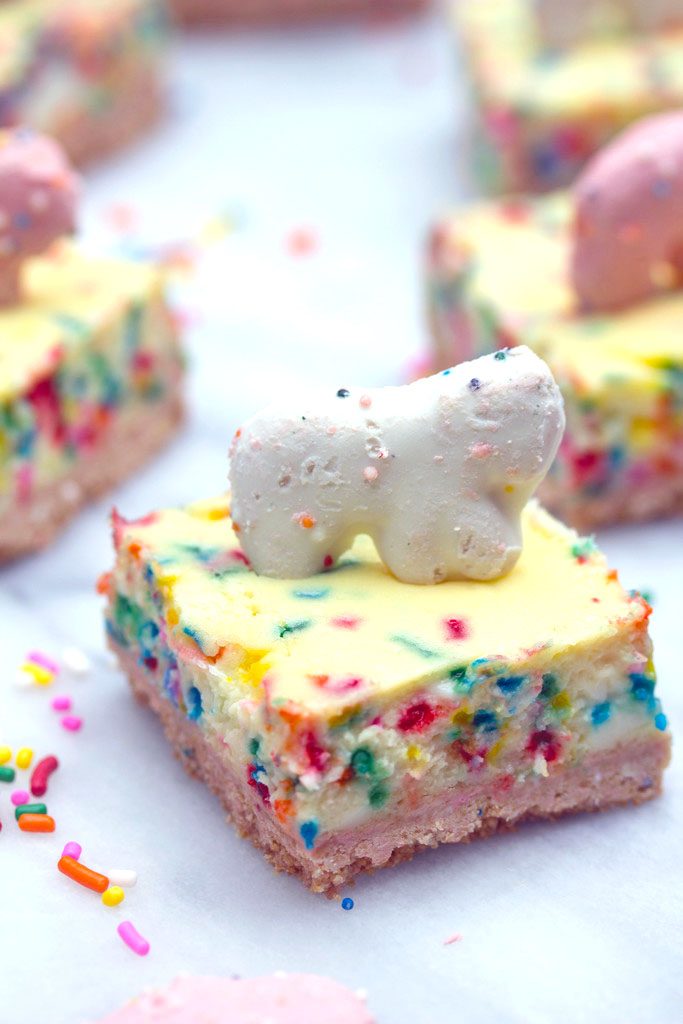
625, 774
245, 12
131, 441
137, 105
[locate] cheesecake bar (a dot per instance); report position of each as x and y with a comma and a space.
498, 275
542, 110
90, 373
88, 72
348, 720
239, 11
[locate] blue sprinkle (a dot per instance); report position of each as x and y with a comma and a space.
661, 721
347, 903
600, 712
509, 684
501, 354
308, 830
444, 374
642, 687
485, 720
474, 384
661, 188
312, 595
194, 703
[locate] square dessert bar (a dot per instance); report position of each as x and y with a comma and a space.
497, 276
90, 373
239, 11
540, 112
87, 72
348, 720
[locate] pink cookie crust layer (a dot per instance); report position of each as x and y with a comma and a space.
281, 11
277, 999
628, 773
629, 217
132, 441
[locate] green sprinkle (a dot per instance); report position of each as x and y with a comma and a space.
584, 548
29, 809
7, 774
297, 626
362, 761
378, 796
254, 745
550, 687
415, 646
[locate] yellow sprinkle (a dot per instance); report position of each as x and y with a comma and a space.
562, 701
24, 757
41, 676
413, 752
509, 488
112, 896
172, 617
5, 755
461, 717
495, 750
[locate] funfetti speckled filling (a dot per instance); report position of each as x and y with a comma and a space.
92, 344
350, 696
497, 276
541, 113
72, 68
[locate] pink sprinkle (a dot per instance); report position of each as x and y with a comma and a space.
302, 242
365, 401
24, 482
345, 622
456, 629
72, 850
61, 703
481, 450
452, 938
38, 658
328, 561
20, 796
72, 722
370, 474
132, 938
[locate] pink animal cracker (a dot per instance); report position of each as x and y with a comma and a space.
628, 242
437, 472
38, 198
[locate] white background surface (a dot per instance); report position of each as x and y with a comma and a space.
353, 132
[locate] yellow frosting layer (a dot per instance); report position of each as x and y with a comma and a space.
518, 256
610, 74
68, 299
356, 633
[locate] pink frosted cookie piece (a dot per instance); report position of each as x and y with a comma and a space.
629, 217
278, 999
38, 198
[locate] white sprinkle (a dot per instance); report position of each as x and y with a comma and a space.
123, 877
541, 765
76, 661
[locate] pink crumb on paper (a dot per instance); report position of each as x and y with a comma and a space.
456, 937
72, 723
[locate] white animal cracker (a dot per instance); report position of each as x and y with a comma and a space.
436, 472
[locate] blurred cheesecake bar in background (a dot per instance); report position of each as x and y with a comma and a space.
563, 24
239, 11
509, 272
87, 72
90, 366
553, 81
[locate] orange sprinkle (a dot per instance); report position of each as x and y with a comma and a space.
134, 548
103, 585
306, 521
78, 872
36, 823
